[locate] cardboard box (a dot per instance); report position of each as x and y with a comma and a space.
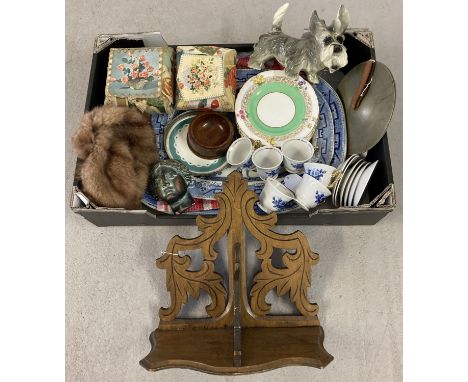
379, 198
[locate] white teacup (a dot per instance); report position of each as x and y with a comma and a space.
322, 172
296, 152
274, 196
267, 160
310, 192
240, 153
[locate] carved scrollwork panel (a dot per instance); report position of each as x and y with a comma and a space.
180, 281
294, 277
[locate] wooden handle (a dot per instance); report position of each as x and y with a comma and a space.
366, 79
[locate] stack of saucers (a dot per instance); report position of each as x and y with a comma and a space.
350, 189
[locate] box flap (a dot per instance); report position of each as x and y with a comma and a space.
150, 39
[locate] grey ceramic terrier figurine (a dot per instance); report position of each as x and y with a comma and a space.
320, 47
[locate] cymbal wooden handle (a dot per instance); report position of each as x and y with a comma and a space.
366, 79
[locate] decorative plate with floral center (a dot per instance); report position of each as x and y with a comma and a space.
272, 107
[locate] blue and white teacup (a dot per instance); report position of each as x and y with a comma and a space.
267, 160
296, 152
322, 172
274, 196
240, 153
310, 192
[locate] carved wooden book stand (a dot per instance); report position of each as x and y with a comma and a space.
239, 337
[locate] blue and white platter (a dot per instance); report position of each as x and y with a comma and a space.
324, 137
339, 120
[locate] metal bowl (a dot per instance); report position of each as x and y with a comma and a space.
367, 124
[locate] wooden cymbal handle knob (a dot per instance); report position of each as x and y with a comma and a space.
366, 79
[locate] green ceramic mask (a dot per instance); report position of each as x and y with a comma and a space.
169, 180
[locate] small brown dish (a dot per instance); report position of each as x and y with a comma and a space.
210, 134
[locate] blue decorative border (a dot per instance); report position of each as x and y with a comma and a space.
339, 121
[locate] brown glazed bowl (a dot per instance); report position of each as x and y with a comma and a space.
210, 134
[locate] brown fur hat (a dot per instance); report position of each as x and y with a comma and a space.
118, 148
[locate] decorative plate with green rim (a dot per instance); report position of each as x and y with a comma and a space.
272, 107
175, 142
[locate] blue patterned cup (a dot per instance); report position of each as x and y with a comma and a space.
274, 196
267, 160
322, 172
310, 193
296, 152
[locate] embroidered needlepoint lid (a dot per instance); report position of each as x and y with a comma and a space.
134, 72
206, 78
200, 76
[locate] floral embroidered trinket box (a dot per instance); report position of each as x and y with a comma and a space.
206, 78
141, 78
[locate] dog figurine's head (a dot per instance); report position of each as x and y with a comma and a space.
329, 39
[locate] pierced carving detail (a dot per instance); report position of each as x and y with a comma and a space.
181, 282
294, 277
236, 209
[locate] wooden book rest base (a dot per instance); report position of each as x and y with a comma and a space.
239, 337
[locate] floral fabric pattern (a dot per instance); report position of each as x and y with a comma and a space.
136, 73
200, 77
141, 78
206, 78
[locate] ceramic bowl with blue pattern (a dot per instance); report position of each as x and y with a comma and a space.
267, 160
321, 172
240, 153
310, 193
296, 152
274, 196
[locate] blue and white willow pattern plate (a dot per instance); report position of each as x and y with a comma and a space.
339, 120
324, 136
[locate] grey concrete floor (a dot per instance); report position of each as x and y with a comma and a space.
113, 291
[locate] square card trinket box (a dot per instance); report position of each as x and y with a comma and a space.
141, 78
206, 78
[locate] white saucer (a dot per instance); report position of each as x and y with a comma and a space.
346, 187
363, 182
352, 191
343, 167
